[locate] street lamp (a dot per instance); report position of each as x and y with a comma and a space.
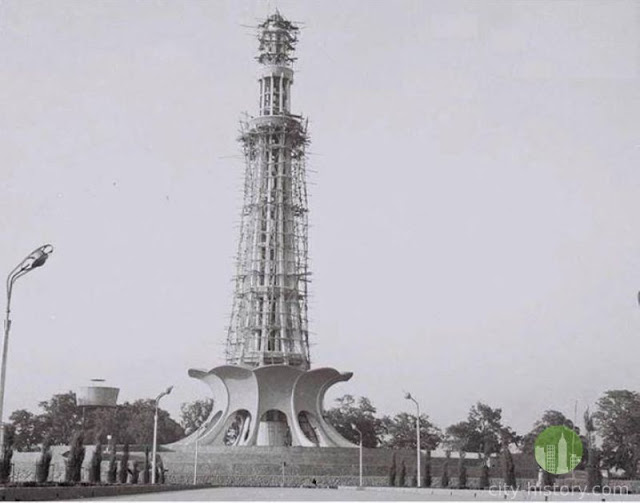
35, 259
195, 460
155, 434
359, 433
409, 397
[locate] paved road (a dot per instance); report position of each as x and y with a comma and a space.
351, 494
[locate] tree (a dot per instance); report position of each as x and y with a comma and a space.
73, 471
462, 471
123, 472
6, 455
427, 469
194, 414
484, 476
444, 481
146, 469
96, 464
403, 474
400, 432
350, 413
44, 463
549, 418
61, 417
112, 469
392, 471
593, 462
481, 432
28, 430
135, 472
618, 421
508, 466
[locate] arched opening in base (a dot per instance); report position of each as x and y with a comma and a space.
308, 427
274, 429
238, 431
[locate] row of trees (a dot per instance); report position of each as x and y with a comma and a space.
610, 435
59, 418
120, 468
616, 423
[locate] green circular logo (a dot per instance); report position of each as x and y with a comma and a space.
558, 450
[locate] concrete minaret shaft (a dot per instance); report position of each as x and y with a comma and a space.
269, 316
266, 394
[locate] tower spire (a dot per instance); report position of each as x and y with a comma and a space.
269, 315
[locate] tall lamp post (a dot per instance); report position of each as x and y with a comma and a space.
409, 397
35, 259
195, 457
359, 433
155, 434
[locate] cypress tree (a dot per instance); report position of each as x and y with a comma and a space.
73, 472
509, 467
44, 463
444, 481
403, 474
123, 472
96, 463
392, 471
146, 470
6, 455
462, 472
112, 469
427, 469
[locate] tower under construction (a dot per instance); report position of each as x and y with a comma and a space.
267, 394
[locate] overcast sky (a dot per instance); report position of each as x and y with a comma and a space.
475, 195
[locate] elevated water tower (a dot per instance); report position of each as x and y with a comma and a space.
96, 395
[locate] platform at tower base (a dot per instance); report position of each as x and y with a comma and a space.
263, 466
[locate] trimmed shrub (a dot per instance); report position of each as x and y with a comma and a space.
427, 470
43, 464
96, 464
444, 481
392, 471
134, 472
509, 467
161, 471
484, 475
6, 455
123, 472
462, 472
112, 469
403, 474
73, 466
146, 468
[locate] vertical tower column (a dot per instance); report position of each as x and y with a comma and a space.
269, 315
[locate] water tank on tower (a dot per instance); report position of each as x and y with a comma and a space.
97, 395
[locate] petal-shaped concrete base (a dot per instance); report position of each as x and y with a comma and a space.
250, 398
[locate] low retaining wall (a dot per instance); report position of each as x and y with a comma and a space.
77, 492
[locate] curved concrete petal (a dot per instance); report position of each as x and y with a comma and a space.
308, 396
275, 387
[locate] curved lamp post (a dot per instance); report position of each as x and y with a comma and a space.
35, 259
155, 434
418, 472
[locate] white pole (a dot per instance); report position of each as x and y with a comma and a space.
195, 461
360, 459
418, 454
37, 258
155, 433
155, 442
